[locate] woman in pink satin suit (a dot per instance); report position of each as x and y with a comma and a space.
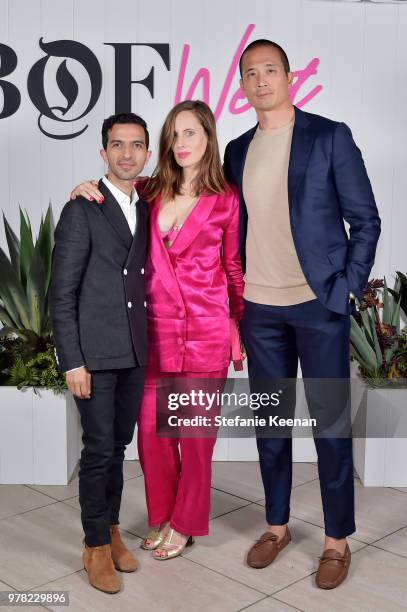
194, 286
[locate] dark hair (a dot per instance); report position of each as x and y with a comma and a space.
166, 179
264, 42
123, 118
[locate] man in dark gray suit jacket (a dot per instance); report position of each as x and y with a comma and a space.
98, 313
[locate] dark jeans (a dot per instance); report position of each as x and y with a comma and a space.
275, 338
108, 420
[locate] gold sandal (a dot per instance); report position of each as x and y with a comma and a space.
156, 536
172, 550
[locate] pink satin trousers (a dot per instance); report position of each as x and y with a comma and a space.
177, 471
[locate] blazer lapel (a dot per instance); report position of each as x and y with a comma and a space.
160, 256
140, 236
301, 145
164, 259
193, 223
240, 160
241, 155
114, 215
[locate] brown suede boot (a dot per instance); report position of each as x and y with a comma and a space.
123, 559
98, 563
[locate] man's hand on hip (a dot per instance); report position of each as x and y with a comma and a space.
79, 382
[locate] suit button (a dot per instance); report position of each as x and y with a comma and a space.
129, 304
180, 341
142, 270
145, 304
181, 314
125, 272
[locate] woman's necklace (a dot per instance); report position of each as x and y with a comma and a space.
177, 224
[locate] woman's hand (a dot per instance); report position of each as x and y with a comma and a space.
243, 353
242, 349
89, 190
238, 351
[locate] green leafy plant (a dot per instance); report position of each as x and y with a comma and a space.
377, 342
25, 279
40, 371
400, 291
26, 347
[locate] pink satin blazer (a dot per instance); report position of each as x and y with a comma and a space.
194, 287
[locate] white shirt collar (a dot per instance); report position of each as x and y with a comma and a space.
121, 197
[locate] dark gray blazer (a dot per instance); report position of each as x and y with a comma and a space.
97, 294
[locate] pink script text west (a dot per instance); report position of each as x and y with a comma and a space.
203, 75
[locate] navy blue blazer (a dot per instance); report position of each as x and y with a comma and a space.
327, 184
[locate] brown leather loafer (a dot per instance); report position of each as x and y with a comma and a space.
333, 568
265, 550
123, 559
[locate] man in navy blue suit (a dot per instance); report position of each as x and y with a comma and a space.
300, 176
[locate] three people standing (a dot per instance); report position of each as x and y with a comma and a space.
299, 176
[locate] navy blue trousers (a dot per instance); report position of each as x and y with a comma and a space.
275, 338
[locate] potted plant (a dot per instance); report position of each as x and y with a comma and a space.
39, 422
379, 393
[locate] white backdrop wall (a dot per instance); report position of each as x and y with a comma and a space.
358, 50
351, 60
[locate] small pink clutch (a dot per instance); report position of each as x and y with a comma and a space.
237, 357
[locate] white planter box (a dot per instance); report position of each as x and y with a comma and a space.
40, 437
380, 458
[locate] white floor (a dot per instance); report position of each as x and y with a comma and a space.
40, 549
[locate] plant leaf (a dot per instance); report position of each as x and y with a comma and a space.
26, 247
7, 331
396, 316
13, 246
389, 353
5, 318
386, 305
378, 350
362, 346
403, 290
12, 293
46, 329
44, 244
361, 361
394, 293
36, 291
366, 320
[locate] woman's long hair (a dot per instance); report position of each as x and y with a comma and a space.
166, 179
